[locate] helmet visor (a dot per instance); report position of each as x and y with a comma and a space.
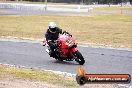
52, 29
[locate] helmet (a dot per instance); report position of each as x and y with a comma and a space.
52, 26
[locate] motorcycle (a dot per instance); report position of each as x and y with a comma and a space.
66, 49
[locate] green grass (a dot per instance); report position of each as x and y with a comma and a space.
115, 30
36, 75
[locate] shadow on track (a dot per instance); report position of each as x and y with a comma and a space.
64, 63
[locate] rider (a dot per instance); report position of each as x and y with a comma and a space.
52, 34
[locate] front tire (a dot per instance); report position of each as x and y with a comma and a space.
79, 58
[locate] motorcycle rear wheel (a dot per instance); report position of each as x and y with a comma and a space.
79, 58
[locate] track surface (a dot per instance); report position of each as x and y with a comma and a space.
14, 12
98, 60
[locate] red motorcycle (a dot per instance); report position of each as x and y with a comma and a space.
66, 49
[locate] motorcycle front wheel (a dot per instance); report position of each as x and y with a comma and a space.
79, 58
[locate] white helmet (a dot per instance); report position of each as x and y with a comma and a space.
52, 25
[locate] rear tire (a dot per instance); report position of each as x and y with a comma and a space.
79, 58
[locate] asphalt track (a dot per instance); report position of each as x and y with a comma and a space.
98, 60
15, 12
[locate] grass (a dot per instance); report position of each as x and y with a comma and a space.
115, 30
36, 75
106, 9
